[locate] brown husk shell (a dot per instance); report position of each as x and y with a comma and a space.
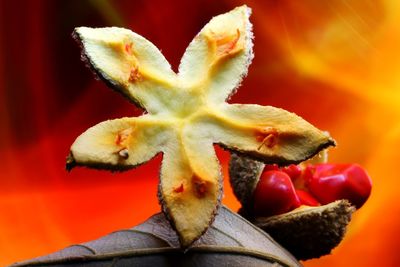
309, 232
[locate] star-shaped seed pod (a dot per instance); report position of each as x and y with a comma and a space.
186, 115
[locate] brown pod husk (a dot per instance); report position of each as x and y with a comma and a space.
244, 174
230, 241
307, 232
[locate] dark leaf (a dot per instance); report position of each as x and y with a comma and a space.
230, 241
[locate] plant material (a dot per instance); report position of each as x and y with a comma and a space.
285, 201
274, 194
330, 182
309, 232
155, 243
186, 115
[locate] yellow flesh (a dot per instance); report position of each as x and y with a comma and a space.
187, 114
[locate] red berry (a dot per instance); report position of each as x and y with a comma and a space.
294, 171
330, 182
274, 194
306, 198
271, 167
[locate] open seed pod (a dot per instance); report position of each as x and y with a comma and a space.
187, 114
230, 241
307, 232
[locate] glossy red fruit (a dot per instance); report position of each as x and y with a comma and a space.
294, 171
271, 167
330, 182
274, 194
306, 198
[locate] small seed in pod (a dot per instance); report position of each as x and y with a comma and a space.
295, 230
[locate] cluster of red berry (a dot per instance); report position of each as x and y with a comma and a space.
281, 190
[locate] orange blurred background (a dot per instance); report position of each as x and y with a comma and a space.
335, 63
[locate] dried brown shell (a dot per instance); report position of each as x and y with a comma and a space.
309, 232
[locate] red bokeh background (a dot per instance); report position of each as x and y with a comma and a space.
335, 63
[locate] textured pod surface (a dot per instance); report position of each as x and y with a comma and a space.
310, 232
230, 241
244, 174
307, 232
